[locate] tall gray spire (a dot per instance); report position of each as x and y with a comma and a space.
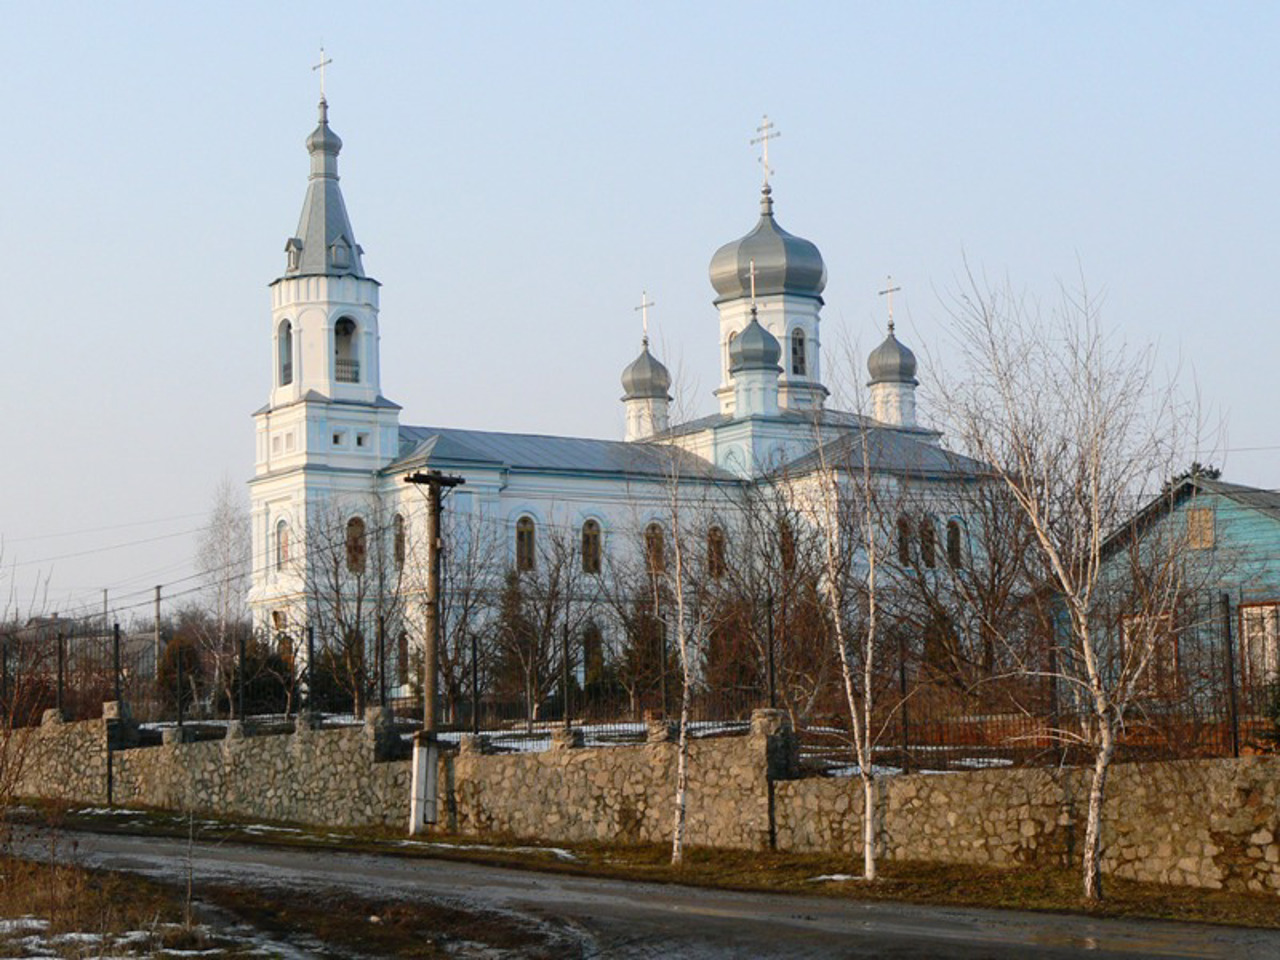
325, 243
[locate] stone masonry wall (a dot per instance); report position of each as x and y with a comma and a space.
624, 793
327, 777
1210, 823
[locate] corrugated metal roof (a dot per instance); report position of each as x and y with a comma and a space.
529, 451
889, 451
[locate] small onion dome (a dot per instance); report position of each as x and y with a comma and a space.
891, 362
755, 348
322, 137
645, 377
784, 264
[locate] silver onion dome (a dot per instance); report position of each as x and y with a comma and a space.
755, 348
645, 376
784, 263
891, 362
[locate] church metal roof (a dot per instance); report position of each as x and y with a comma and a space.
537, 452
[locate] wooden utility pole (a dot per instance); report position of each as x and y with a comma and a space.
423, 802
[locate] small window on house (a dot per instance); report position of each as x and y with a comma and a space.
1149, 653
655, 553
362, 439
275, 444
716, 552
356, 547
955, 547
289, 442
338, 437
279, 619
1200, 528
285, 344
591, 547
282, 544
397, 536
1260, 644
904, 541
525, 533
927, 544
798, 366
293, 250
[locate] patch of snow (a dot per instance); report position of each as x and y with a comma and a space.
833, 878
22, 925
557, 852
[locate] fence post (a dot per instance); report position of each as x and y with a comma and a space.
1233, 712
311, 666
475, 685
564, 671
773, 687
382, 661
115, 660
177, 649
240, 679
62, 669
902, 706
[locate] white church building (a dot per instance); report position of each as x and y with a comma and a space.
333, 450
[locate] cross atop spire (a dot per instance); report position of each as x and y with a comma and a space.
645, 304
753, 287
889, 291
324, 62
767, 131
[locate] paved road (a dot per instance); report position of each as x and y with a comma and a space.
616, 919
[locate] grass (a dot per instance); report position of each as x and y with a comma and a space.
1043, 888
86, 913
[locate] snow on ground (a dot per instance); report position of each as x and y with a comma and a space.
557, 852
833, 878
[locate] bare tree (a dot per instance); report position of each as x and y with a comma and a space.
224, 556
1079, 432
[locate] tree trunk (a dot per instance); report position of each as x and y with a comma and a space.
868, 827
682, 780
1097, 795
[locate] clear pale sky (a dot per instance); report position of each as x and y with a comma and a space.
517, 173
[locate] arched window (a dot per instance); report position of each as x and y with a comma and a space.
798, 365
591, 547
716, 551
397, 540
927, 542
346, 365
285, 339
282, 544
955, 546
904, 541
786, 545
402, 658
355, 545
525, 544
655, 553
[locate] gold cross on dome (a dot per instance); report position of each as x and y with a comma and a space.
645, 304
324, 62
889, 291
766, 132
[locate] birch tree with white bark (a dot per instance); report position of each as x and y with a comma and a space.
1080, 431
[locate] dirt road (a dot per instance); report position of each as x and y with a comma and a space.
584, 917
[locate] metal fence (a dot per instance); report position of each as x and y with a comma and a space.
937, 706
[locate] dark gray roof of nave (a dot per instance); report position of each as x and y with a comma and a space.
889, 451
531, 451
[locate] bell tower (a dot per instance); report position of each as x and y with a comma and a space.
326, 428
